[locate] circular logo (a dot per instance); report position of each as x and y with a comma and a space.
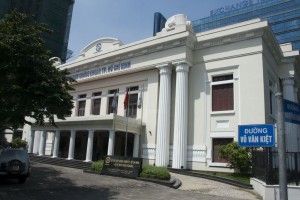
98, 47
107, 160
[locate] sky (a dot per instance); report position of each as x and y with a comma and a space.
129, 20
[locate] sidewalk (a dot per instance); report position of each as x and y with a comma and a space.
206, 186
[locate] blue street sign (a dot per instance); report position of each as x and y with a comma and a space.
257, 135
291, 111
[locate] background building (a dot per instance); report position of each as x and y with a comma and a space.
56, 14
283, 17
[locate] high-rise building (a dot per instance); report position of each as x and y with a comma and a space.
283, 17
56, 14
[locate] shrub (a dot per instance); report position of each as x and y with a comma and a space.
19, 143
238, 157
97, 166
149, 171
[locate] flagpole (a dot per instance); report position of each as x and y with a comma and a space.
141, 101
127, 110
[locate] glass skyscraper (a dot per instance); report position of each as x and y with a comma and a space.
56, 14
282, 15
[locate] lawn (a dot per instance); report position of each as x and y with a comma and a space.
232, 176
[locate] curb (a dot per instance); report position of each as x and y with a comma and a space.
174, 183
214, 178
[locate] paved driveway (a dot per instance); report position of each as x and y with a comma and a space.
49, 182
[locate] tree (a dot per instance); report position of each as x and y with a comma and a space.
30, 86
238, 157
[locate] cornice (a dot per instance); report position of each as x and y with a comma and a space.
112, 57
229, 39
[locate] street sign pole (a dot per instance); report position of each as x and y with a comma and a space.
281, 148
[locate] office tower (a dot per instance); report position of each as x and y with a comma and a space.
56, 14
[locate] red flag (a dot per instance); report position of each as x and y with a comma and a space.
126, 100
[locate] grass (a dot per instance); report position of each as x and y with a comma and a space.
148, 171
232, 176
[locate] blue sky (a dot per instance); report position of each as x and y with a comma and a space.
129, 20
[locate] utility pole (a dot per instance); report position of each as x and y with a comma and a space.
281, 148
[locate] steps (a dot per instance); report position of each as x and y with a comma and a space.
77, 164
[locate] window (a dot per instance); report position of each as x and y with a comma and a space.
96, 103
111, 100
132, 102
222, 93
81, 105
216, 144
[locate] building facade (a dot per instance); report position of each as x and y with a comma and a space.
283, 17
57, 14
187, 94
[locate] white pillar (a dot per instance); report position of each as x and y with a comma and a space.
30, 141
163, 122
89, 148
136, 145
111, 143
290, 129
181, 115
42, 143
36, 142
56, 144
72, 145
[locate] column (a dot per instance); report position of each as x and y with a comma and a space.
181, 115
89, 148
42, 143
36, 142
290, 129
111, 143
163, 122
136, 145
56, 144
72, 145
30, 141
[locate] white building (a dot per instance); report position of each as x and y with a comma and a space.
195, 90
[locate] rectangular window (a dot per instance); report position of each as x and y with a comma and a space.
222, 93
132, 102
96, 106
81, 108
217, 143
96, 103
111, 101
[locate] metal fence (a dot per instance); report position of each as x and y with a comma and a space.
265, 166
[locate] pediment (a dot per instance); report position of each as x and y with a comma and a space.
100, 45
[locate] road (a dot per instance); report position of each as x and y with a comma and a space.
49, 182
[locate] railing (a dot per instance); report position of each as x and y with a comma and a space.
265, 166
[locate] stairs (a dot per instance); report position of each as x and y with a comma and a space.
77, 164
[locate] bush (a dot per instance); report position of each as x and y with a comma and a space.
149, 171
19, 143
238, 157
97, 166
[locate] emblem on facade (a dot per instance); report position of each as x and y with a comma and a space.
98, 47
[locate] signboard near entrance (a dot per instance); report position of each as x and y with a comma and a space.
122, 166
258, 135
291, 111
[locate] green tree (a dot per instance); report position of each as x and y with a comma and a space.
30, 86
238, 157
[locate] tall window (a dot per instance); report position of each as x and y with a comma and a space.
96, 103
132, 102
222, 93
217, 143
81, 104
111, 100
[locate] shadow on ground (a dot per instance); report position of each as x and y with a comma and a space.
49, 184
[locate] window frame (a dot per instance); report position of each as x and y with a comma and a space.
215, 83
